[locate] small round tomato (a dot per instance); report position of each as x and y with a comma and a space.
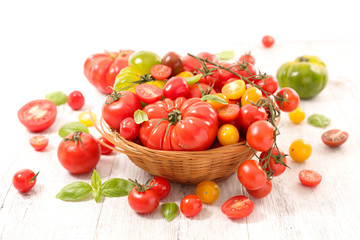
238, 207
251, 95
143, 199
229, 112
224, 75
300, 150
210, 75
274, 164
39, 142
191, 64
228, 134
309, 178
185, 74
176, 87
207, 191
85, 118
105, 150
334, 137
129, 129
250, 114
268, 41
291, 99
260, 135
161, 185
191, 205
148, 93
195, 92
38, 115
251, 175
24, 180
297, 116
217, 105
247, 57
261, 192
76, 100
209, 56
245, 69
268, 84
174, 61
160, 71
234, 89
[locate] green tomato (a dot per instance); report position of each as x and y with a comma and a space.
143, 61
307, 75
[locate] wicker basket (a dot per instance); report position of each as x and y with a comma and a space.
187, 167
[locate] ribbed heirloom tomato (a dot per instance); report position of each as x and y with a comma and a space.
182, 124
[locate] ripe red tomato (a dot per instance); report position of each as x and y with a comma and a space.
129, 129
148, 93
274, 163
229, 112
191, 205
174, 61
79, 152
224, 75
238, 207
249, 114
161, 185
334, 137
119, 106
309, 178
269, 84
76, 100
191, 64
105, 150
195, 92
24, 180
293, 99
39, 142
143, 200
160, 71
261, 192
268, 41
251, 175
176, 87
183, 124
260, 135
247, 57
209, 76
101, 69
245, 69
209, 56
38, 115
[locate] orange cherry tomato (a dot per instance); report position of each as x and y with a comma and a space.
234, 90
228, 134
217, 105
229, 112
252, 94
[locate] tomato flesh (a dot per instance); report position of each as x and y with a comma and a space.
309, 178
148, 93
160, 71
229, 112
39, 142
238, 207
334, 137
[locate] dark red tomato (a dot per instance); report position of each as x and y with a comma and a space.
39, 142
101, 69
105, 150
274, 162
238, 207
38, 115
309, 178
268, 41
260, 135
334, 137
24, 180
209, 56
262, 192
229, 112
245, 69
148, 93
292, 99
269, 84
195, 92
160, 71
79, 152
249, 114
143, 200
191, 64
129, 129
174, 61
161, 185
76, 100
119, 106
190, 205
251, 175
176, 87
247, 57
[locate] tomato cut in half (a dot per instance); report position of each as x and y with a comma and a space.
309, 178
38, 115
148, 93
334, 137
229, 112
160, 71
238, 207
39, 142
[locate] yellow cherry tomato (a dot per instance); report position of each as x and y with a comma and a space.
252, 94
84, 118
234, 90
228, 134
207, 191
297, 116
300, 150
185, 74
217, 105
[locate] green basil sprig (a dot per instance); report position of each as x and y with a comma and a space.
57, 97
170, 210
72, 127
318, 120
114, 187
140, 116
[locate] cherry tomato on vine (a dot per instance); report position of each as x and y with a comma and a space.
268, 84
105, 150
85, 118
251, 175
300, 150
238, 207
191, 64
309, 178
207, 77
39, 142
160, 72
250, 113
260, 135
268, 41
76, 100
148, 93
229, 112
24, 180
207, 191
297, 116
234, 89
247, 57
334, 137
176, 87
292, 99
129, 129
251, 95
245, 69
195, 92
209, 56
228, 134
161, 185
191, 205
261, 192
143, 199
174, 61
224, 75
273, 165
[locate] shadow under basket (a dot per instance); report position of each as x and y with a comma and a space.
186, 167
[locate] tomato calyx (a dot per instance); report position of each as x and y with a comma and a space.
282, 98
76, 138
207, 90
114, 96
34, 177
142, 187
265, 161
173, 117
303, 59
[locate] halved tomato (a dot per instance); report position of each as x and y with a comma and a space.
160, 71
309, 178
238, 207
334, 137
229, 112
39, 142
148, 93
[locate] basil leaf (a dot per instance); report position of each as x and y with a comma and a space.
214, 98
95, 180
74, 191
140, 116
318, 120
193, 79
225, 55
57, 97
170, 210
116, 187
97, 195
71, 127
